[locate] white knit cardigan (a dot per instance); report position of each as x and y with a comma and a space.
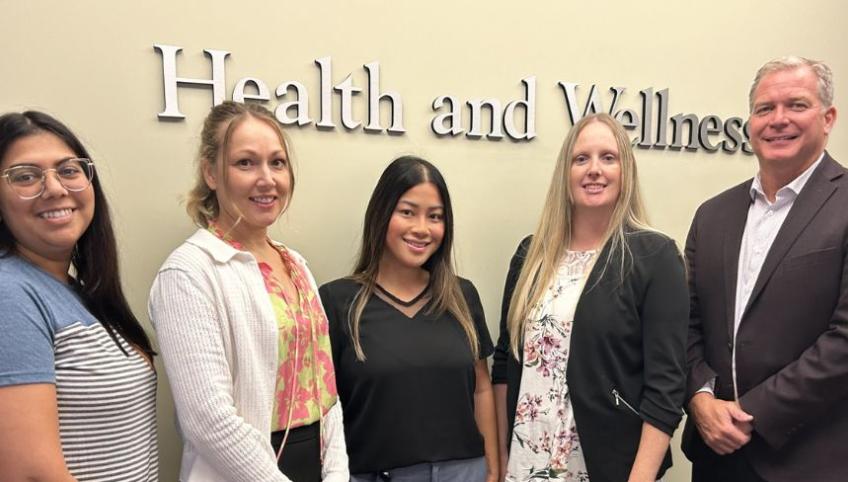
218, 338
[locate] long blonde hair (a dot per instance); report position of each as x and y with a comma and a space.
553, 234
401, 175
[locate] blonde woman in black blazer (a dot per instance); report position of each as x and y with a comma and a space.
595, 313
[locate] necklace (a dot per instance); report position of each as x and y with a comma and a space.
395, 299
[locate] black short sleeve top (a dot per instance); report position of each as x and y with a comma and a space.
412, 400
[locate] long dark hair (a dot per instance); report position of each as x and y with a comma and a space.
401, 175
95, 256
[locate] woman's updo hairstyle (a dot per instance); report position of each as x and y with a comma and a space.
201, 202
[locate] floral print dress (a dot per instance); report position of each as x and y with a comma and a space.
545, 445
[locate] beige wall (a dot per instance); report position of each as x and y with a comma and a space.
92, 64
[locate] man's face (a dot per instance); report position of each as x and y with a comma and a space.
788, 124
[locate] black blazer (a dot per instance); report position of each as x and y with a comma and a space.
792, 342
628, 336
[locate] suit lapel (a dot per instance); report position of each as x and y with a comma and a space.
737, 216
812, 197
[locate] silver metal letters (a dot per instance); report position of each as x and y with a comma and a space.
476, 118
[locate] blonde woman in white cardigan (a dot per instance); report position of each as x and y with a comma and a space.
241, 328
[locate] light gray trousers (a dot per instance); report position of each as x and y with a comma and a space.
466, 470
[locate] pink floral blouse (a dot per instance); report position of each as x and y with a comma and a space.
306, 384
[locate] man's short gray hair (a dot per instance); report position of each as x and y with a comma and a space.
823, 73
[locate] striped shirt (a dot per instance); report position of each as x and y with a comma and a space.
106, 399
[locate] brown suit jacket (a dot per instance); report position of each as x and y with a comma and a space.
792, 342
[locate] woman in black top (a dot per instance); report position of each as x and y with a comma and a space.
410, 342
589, 367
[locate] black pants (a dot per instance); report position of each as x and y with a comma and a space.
301, 460
725, 468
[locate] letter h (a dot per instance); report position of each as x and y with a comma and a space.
171, 81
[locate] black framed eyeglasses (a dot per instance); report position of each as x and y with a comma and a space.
28, 182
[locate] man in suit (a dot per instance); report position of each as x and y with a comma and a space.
767, 389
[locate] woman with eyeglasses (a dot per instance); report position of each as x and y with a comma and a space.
589, 368
241, 328
77, 384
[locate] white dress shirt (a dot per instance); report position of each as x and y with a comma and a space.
764, 221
